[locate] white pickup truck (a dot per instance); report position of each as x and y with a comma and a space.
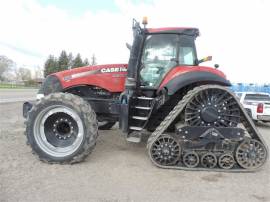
257, 105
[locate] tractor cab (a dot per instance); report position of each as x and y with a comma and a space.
156, 51
161, 53
153, 54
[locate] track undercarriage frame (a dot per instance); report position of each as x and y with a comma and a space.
212, 132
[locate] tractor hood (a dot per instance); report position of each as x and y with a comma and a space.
110, 77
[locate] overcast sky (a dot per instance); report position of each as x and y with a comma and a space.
235, 32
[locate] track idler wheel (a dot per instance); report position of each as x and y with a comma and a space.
165, 150
191, 159
226, 161
209, 160
251, 154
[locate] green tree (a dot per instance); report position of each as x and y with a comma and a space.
93, 60
63, 61
50, 66
70, 60
77, 62
24, 74
5, 65
85, 62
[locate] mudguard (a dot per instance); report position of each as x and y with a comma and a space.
193, 77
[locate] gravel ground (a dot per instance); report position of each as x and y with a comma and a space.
17, 95
115, 171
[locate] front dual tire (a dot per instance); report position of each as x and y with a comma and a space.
62, 128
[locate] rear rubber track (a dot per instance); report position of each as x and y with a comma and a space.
178, 109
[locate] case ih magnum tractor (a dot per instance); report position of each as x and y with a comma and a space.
193, 120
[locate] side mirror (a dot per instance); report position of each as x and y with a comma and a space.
216, 66
128, 46
208, 58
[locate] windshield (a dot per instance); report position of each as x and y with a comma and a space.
162, 52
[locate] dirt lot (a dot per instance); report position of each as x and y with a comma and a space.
116, 171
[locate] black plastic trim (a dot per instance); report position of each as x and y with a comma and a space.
50, 85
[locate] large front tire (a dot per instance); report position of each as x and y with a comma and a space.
62, 128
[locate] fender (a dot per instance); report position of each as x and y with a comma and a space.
193, 77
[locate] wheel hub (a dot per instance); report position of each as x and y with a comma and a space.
209, 160
58, 130
209, 114
251, 154
191, 159
165, 150
212, 108
63, 128
226, 161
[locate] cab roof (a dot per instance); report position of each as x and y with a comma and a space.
175, 30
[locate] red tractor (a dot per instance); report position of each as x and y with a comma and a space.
193, 120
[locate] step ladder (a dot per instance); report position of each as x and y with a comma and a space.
140, 113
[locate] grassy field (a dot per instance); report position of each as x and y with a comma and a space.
15, 86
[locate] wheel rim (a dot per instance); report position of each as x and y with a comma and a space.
209, 160
250, 154
212, 107
191, 159
58, 131
165, 150
226, 161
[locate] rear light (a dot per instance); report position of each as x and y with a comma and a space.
260, 108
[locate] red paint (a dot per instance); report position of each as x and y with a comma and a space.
115, 81
111, 81
186, 69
